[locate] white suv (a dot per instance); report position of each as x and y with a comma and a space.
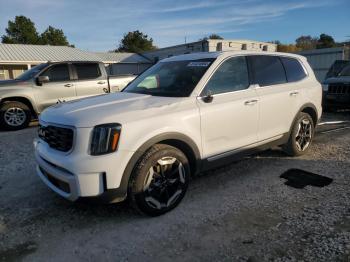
183, 115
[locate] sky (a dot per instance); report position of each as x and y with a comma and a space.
99, 25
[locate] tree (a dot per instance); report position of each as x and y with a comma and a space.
306, 42
325, 41
21, 31
212, 36
53, 36
136, 42
287, 48
215, 36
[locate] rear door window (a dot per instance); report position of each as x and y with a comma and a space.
87, 71
268, 70
57, 73
294, 69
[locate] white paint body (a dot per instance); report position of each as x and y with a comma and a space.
227, 123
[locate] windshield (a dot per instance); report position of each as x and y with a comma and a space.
170, 79
336, 68
345, 71
31, 72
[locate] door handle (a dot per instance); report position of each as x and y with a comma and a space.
101, 82
68, 85
294, 93
105, 90
250, 102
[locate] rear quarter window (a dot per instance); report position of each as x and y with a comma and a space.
294, 70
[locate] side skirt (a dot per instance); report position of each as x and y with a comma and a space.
235, 155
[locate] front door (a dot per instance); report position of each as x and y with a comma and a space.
60, 87
229, 121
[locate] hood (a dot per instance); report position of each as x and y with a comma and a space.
336, 80
119, 107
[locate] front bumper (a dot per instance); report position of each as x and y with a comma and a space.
60, 181
336, 100
79, 175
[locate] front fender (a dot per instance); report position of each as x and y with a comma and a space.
146, 145
19, 95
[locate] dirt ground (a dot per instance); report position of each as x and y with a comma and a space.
241, 212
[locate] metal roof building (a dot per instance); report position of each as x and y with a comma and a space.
16, 58
121, 57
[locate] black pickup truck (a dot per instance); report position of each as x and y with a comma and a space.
336, 87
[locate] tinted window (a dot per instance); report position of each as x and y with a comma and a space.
345, 71
294, 69
268, 70
87, 71
170, 79
231, 76
57, 73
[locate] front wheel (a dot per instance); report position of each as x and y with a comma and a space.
160, 180
14, 115
301, 135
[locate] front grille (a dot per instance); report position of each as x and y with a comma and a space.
56, 182
339, 89
59, 138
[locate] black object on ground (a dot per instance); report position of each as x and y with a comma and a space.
299, 178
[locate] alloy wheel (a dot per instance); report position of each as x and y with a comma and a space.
304, 134
15, 116
164, 183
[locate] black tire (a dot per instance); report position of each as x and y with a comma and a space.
146, 190
292, 147
24, 113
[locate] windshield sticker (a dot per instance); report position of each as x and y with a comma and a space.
200, 64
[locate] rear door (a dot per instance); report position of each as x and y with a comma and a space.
279, 100
90, 80
60, 87
230, 120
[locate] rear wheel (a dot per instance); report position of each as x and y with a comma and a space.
160, 180
301, 135
14, 115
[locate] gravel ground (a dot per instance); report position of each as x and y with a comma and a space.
241, 212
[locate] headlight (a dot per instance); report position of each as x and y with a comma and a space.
105, 139
325, 87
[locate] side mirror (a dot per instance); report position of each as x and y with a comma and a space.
208, 97
42, 79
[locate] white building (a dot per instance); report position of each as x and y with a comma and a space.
209, 45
